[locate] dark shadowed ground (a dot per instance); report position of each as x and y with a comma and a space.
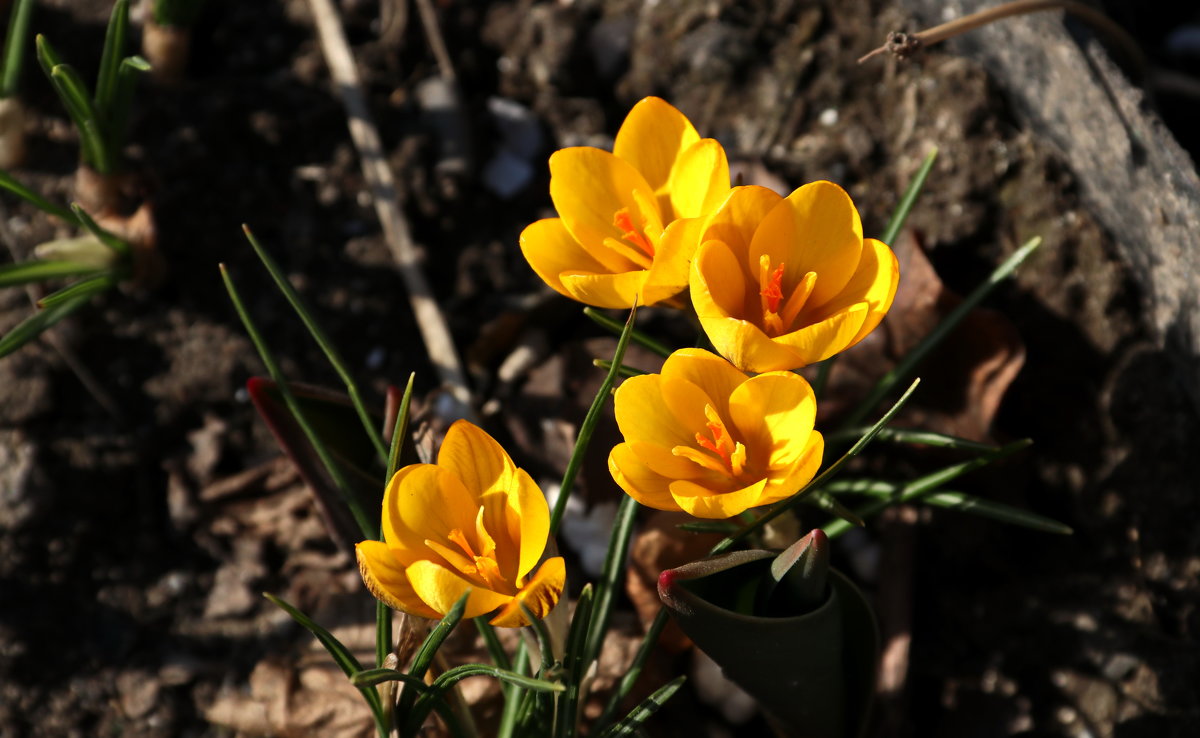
139, 522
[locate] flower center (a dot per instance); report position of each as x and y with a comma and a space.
471, 563
635, 243
721, 453
779, 315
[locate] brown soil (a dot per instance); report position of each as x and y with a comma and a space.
141, 518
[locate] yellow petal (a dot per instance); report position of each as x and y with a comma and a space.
588, 187
699, 180
701, 503
673, 260
661, 461
686, 402
642, 415
424, 501
814, 229
718, 284
540, 595
787, 481
818, 342
606, 290
652, 137
738, 217
638, 481
775, 414
385, 578
551, 251
874, 283
528, 522
476, 459
715, 376
439, 588
750, 350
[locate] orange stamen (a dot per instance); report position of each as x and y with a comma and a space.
623, 220
772, 291
456, 536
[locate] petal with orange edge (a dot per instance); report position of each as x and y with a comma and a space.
385, 578
540, 595
638, 481
606, 290
814, 229
588, 187
652, 137
551, 251
439, 588
699, 180
701, 503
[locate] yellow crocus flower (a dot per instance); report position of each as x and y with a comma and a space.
622, 233
704, 438
780, 283
471, 521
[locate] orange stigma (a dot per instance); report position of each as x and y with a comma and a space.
772, 291
623, 220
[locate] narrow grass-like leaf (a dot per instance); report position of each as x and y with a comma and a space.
14, 46
108, 239
492, 643
430, 699
84, 288
110, 58
834, 506
822, 479
924, 485
341, 655
544, 701
640, 714
623, 371
513, 694
996, 511
710, 526
822, 379
366, 527
331, 353
913, 436
39, 202
589, 424
40, 271
383, 613
371, 677
635, 668
617, 329
424, 657
908, 199
612, 577
943, 329
117, 124
574, 665
31, 327
74, 94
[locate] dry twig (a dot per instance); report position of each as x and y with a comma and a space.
430, 321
